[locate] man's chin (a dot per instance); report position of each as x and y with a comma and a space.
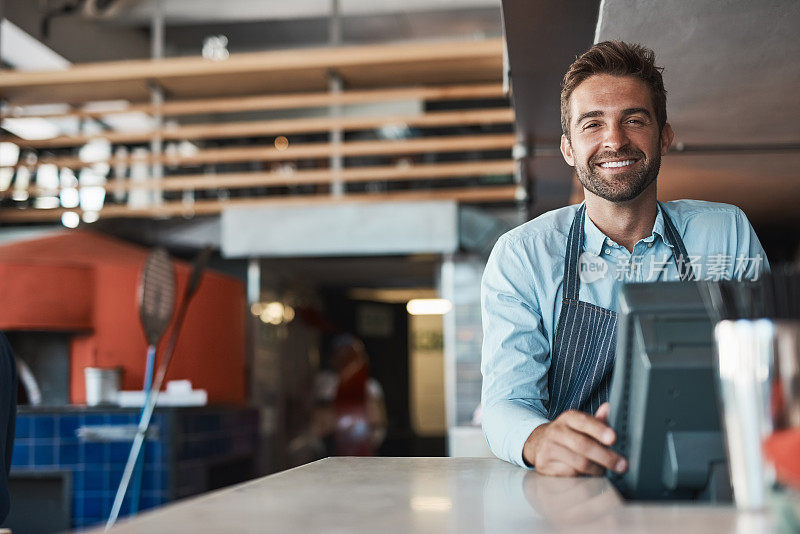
615, 194
619, 188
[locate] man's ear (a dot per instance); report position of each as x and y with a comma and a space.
566, 151
667, 135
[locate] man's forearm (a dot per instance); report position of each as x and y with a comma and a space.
507, 425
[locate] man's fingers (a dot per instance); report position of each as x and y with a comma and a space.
585, 446
592, 427
554, 468
602, 412
580, 463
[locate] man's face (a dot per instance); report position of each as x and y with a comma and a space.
615, 144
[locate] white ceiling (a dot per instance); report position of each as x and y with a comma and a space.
730, 67
732, 75
205, 11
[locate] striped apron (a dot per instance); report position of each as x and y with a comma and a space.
586, 335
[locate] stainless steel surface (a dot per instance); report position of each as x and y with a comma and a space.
461, 495
745, 351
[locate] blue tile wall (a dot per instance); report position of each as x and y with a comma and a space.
174, 462
50, 441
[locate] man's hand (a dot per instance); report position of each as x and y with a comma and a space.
574, 444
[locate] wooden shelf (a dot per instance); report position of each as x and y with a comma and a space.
229, 130
192, 182
262, 72
176, 108
468, 74
462, 143
505, 193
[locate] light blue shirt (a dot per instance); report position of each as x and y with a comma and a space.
522, 286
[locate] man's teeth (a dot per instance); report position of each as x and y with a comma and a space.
609, 164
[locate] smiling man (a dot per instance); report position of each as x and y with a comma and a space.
549, 291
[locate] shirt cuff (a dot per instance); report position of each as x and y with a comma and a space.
518, 437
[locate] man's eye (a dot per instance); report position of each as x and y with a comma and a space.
591, 125
637, 122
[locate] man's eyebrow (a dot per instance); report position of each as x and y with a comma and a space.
632, 111
595, 113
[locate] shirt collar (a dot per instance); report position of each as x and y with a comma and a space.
594, 239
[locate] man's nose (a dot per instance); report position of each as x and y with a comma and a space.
615, 137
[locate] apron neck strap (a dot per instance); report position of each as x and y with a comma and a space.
679, 254
575, 248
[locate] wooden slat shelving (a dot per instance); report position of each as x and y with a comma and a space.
459, 130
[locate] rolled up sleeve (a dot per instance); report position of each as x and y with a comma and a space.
751, 260
515, 354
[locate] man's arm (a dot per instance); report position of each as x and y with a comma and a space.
515, 354
748, 246
515, 362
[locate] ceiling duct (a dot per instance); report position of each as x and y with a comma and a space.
106, 9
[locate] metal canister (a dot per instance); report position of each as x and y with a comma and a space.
745, 355
759, 388
102, 385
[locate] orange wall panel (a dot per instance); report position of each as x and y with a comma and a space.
210, 350
44, 296
87, 283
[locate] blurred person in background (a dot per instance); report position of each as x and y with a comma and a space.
355, 399
349, 417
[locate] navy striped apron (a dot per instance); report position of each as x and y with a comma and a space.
586, 335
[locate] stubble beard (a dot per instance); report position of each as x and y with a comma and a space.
620, 187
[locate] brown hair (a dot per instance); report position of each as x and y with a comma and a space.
618, 59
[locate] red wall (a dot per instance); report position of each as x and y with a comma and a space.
211, 347
42, 296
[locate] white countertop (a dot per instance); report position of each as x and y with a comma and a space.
437, 495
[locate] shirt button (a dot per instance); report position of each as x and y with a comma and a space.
608, 251
650, 244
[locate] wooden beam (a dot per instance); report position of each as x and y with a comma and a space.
283, 101
420, 145
506, 193
259, 72
192, 182
228, 130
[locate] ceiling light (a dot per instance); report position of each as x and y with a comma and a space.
70, 219
31, 128
95, 150
21, 184
9, 154
90, 216
429, 306
23, 52
272, 313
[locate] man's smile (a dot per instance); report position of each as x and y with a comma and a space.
616, 164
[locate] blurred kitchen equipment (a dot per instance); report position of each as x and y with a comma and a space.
785, 397
177, 393
156, 303
757, 337
102, 385
156, 306
147, 412
744, 350
28, 381
782, 448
